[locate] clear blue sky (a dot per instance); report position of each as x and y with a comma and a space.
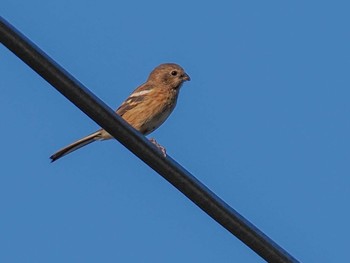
264, 123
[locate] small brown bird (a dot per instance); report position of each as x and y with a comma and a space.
145, 109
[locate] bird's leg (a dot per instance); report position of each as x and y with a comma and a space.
160, 147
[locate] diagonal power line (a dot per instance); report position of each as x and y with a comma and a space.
104, 116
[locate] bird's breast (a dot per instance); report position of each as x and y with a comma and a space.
158, 111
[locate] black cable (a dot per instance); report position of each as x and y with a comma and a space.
104, 116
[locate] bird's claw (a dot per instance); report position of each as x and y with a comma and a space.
159, 147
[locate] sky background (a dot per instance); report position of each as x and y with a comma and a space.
264, 123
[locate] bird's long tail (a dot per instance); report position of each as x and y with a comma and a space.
76, 145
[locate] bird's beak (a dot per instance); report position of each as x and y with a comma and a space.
186, 77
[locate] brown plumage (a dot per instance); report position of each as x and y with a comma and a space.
145, 109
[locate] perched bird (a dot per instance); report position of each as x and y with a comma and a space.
145, 109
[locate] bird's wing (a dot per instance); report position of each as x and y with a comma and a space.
134, 99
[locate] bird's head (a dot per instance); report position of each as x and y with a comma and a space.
170, 75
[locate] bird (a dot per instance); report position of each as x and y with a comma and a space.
146, 108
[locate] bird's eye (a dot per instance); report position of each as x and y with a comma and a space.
174, 73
